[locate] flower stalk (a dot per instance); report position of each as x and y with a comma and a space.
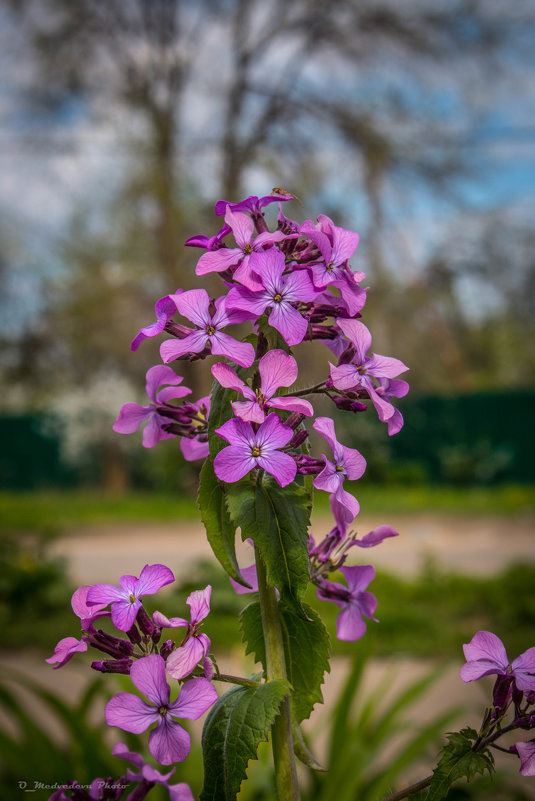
282, 739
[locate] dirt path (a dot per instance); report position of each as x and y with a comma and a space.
476, 545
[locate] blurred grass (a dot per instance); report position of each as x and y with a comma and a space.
51, 513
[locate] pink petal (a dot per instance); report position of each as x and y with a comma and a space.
385, 366
233, 463
299, 287
325, 427
65, 650
148, 675
345, 376
281, 466
290, 324
471, 671
195, 697
523, 668
180, 792
376, 536
350, 625
237, 432
277, 369
124, 613
241, 225
358, 577
130, 417
158, 376
104, 594
348, 501
269, 265
172, 393
241, 353
249, 411
216, 261
359, 336
194, 305
129, 712
228, 377
152, 578
193, 449
154, 432
329, 479
526, 752
174, 348
164, 622
354, 463
486, 645
273, 433
169, 742
183, 660
292, 405
79, 603
199, 603
250, 576
244, 299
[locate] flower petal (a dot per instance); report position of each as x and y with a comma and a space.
486, 645
523, 668
152, 578
233, 463
199, 603
281, 466
350, 625
130, 712
277, 369
359, 336
65, 650
130, 417
194, 305
241, 353
183, 660
290, 324
273, 433
123, 614
148, 674
195, 342
169, 742
195, 697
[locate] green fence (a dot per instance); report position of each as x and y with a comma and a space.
483, 438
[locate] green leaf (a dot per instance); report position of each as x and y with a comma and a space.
458, 760
220, 530
275, 340
301, 639
220, 412
277, 521
240, 720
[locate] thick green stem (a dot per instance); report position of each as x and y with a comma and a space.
281, 733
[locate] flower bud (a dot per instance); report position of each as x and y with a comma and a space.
113, 666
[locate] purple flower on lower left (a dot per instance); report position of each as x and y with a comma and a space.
169, 742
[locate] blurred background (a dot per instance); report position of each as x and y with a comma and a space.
412, 123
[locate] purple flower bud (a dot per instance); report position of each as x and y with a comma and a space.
144, 621
156, 635
294, 420
501, 694
166, 648
308, 466
347, 355
110, 645
134, 635
176, 330
348, 405
208, 668
113, 666
298, 438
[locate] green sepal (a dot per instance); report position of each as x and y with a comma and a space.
302, 751
277, 521
306, 649
238, 721
459, 760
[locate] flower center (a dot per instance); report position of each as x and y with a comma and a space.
339, 468
132, 598
248, 249
330, 267
255, 451
278, 297
210, 330
162, 710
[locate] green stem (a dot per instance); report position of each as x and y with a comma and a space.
237, 680
281, 733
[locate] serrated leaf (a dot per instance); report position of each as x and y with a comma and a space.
220, 530
277, 521
239, 720
458, 761
301, 639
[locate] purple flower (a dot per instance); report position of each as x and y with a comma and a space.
353, 600
336, 246
124, 599
250, 575
243, 229
359, 373
68, 646
248, 449
348, 462
334, 538
195, 306
132, 415
195, 645
277, 369
526, 752
278, 291
169, 742
177, 792
486, 656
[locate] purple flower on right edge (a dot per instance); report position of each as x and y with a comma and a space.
486, 656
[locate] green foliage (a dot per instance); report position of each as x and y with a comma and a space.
277, 521
363, 729
236, 724
306, 647
220, 530
458, 761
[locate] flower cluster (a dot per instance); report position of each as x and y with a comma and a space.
514, 689
148, 661
293, 284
